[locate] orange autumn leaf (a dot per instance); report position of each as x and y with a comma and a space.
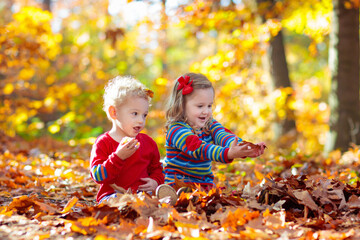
258, 175
70, 204
266, 213
238, 218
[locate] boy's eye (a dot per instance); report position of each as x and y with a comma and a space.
145, 115
135, 113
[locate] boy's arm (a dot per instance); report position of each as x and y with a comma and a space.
104, 167
181, 137
155, 167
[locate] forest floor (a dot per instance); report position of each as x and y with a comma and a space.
46, 192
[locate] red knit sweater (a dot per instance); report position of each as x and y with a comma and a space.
124, 173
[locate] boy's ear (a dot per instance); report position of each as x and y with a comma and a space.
112, 112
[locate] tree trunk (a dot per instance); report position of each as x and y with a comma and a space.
47, 5
344, 98
278, 68
163, 40
280, 74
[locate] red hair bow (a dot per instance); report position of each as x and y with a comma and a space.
185, 85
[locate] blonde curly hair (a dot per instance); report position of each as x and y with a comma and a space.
122, 87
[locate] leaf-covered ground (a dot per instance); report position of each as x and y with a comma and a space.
46, 192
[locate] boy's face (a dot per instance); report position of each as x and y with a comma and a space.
131, 116
198, 107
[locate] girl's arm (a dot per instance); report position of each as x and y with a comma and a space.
221, 135
238, 147
181, 137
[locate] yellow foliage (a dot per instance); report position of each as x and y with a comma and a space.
315, 22
26, 73
54, 128
161, 81
8, 89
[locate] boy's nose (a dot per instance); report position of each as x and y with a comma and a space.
141, 119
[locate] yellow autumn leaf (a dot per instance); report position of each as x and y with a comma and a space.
161, 81
54, 128
103, 237
26, 73
69, 117
8, 89
43, 236
50, 79
49, 101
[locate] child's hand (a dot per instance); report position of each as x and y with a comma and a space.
127, 147
117, 188
150, 184
245, 149
262, 147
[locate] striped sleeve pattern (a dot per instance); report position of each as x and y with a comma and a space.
99, 172
176, 138
220, 135
195, 164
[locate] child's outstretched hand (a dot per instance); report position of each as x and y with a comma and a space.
245, 149
262, 147
150, 184
127, 147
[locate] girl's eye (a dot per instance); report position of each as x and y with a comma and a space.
145, 115
134, 113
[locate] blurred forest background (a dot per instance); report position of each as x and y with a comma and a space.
286, 72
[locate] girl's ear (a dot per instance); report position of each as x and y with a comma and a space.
112, 112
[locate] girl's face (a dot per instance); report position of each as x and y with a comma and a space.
198, 107
131, 116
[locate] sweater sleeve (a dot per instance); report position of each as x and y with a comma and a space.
104, 166
155, 170
221, 135
181, 137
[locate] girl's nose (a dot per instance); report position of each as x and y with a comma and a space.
206, 111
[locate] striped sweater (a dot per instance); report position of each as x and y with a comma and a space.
189, 156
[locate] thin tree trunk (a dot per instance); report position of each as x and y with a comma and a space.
278, 69
163, 39
280, 74
345, 84
47, 5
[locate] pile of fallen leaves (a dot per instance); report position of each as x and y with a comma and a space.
46, 192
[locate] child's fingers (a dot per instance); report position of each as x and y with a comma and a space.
134, 144
144, 186
118, 188
235, 141
128, 142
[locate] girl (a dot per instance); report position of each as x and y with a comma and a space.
194, 139
123, 158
